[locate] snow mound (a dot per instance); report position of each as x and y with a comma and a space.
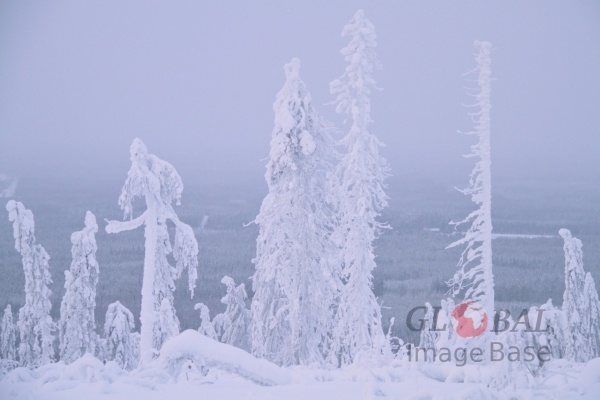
591, 373
208, 353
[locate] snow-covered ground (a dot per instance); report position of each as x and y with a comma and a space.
520, 236
89, 379
192, 366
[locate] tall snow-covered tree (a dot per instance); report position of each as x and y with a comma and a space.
591, 319
235, 321
77, 322
580, 304
158, 182
35, 324
120, 341
8, 336
474, 278
293, 284
358, 192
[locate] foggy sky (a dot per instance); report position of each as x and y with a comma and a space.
196, 82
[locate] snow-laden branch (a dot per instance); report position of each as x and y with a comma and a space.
208, 353
185, 249
129, 225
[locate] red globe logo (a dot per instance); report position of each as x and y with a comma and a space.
469, 319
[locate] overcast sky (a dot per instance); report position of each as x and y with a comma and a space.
196, 80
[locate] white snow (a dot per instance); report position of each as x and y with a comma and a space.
520, 236
192, 366
207, 352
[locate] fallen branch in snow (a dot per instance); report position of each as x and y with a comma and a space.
206, 352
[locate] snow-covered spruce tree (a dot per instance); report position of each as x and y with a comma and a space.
359, 196
35, 324
235, 321
207, 327
511, 375
165, 317
474, 279
120, 341
158, 182
447, 336
8, 336
293, 283
580, 304
135, 346
77, 322
551, 329
591, 319
429, 337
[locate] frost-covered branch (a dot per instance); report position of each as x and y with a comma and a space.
185, 250
129, 225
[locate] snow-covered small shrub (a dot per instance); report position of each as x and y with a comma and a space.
511, 373
429, 337
120, 341
135, 345
8, 336
447, 337
548, 325
35, 324
207, 327
396, 344
231, 326
167, 323
235, 321
580, 305
591, 319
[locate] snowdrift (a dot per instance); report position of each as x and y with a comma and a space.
204, 352
89, 378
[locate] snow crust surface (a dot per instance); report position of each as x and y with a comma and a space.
193, 366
